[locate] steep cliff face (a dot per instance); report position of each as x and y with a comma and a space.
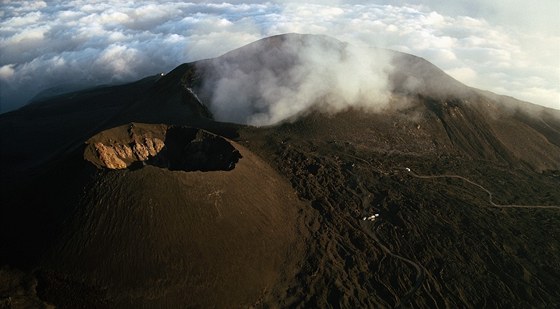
113, 156
170, 147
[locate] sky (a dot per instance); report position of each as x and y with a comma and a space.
510, 47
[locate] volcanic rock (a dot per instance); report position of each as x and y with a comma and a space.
133, 196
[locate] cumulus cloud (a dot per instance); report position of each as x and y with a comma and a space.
511, 49
85, 43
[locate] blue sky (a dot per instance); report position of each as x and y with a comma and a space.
508, 47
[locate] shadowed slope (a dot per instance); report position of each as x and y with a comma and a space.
152, 237
38, 134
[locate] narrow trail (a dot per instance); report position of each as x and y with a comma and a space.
549, 126
490, 195
420, 272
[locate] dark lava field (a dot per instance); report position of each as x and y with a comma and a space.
135, 196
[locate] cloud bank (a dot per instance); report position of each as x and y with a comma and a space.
69, 44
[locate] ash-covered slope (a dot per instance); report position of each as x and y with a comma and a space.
428, 111
465, 119
458, 187
157, 216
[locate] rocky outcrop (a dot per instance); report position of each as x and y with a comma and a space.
170, 147
109, 157
116, 156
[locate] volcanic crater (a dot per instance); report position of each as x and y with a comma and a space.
176, 148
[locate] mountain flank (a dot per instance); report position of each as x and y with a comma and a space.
141, 196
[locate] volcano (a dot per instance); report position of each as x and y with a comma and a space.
154, 195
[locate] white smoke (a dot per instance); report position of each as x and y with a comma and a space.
265, 85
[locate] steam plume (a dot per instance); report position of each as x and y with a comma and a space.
281, 78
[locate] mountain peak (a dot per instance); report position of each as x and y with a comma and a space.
244, 181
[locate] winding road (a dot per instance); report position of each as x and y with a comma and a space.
420, 272
490, 195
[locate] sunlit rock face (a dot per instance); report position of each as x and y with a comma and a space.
115, 156
174, 148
